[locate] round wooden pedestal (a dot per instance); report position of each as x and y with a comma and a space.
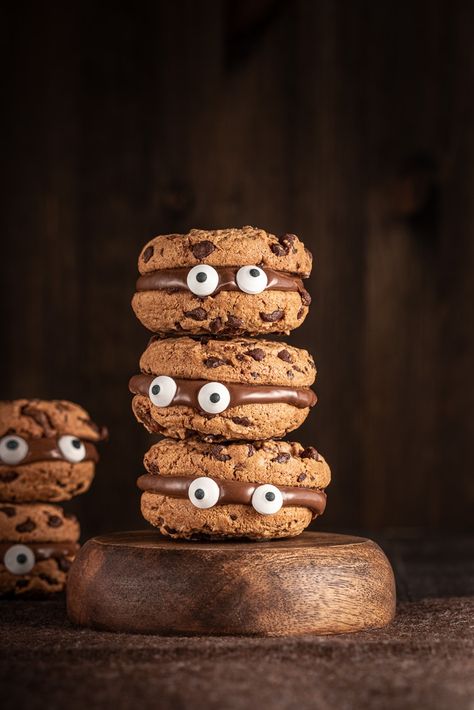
141, 582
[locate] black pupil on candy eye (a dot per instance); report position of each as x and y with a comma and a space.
201, 277
155, 389
76, 443
199, 493
12, 444
254, 272
214, 397
21, 558
270, 496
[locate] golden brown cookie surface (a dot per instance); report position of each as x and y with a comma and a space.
226, 247
45, 481
36, 522
34, 418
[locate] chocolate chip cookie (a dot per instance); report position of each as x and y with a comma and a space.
261, 490
226, 281
37, 545
47, 450
224, 388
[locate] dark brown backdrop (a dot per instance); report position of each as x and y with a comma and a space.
349, 123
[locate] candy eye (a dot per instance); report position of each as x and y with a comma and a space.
213, 397
202, 280
13, 449
72, 448
267, 499
19, 559
251, 279
162, 391
203, 492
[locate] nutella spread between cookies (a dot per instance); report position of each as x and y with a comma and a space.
265, 498
200, 394
15, 450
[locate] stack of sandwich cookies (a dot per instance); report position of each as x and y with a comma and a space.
221, 397
48, 454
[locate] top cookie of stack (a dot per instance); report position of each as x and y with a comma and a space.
254, 278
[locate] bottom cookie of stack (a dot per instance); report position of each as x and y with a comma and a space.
260, 490
38, 543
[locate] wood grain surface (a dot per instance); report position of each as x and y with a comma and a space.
351, 124
140, 582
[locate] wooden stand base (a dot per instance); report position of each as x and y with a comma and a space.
141, 582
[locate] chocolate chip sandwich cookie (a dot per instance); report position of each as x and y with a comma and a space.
230, 389
47, 450
37, 545
261, 490
225, 281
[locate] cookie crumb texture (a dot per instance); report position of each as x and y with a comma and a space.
46, 578
248, 421
37, 522
240, 360
282, 463
228, 312
178, 518
45, 481
227, 247
35, 418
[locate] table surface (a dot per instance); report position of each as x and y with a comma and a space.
424, 659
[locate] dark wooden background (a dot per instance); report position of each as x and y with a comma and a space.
349, 123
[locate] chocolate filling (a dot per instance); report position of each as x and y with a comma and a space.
187, 393
47, 449
175, 280
233, 492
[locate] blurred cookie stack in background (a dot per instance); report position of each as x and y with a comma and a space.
47, 455
222, 397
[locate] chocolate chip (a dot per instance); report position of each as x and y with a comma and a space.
233, 322
240, 357
54, 521
297, 369
285, 356
233, 516
305, 298
290, 374
196, 314
272, 317
301, 477
40, 417
300, 313
255, 375
282, 458
257, 354
147, 254
27, 526
153, 467
8, 510
178, 325
214, 362
217, 453
310, 453
243, 421
215, 325
202, 249
8, 476
278, 249
251, 450
64, 564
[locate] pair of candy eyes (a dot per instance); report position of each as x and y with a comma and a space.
213, 397
13, 449
19, 559
202, 280
204, 492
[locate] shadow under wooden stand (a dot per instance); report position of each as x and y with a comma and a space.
141, 582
